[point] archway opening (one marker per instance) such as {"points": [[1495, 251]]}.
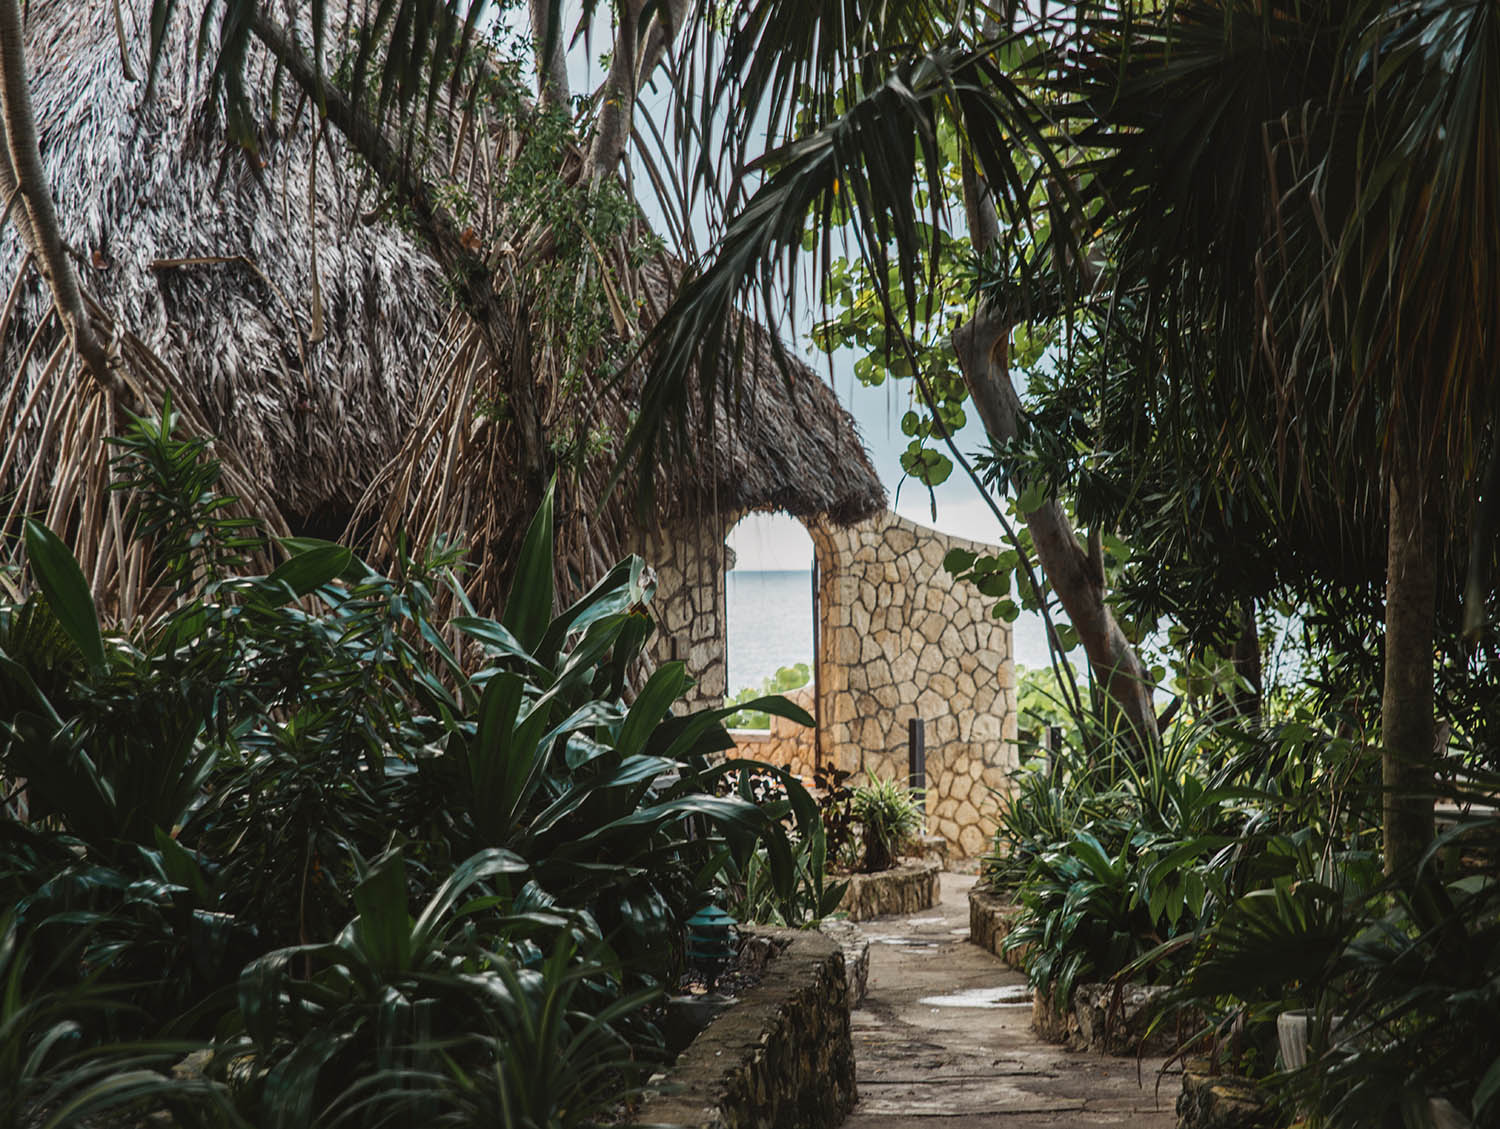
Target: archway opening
{"points": [[772, 632]]}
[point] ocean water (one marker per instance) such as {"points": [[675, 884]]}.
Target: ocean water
{"points": [[770, 625]]}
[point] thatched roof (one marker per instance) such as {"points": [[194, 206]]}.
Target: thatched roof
{"points": [[218, 268]]}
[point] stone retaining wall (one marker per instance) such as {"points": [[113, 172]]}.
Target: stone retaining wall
{"points": [[991, 918], [782, 1058], [907, 888]]}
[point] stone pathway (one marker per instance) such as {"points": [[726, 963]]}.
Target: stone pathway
{"points": [[943, 1041]]}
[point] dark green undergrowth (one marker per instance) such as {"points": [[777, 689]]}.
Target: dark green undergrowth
{"points": [[365, 867]]}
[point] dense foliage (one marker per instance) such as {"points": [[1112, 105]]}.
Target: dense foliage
{"points": [[379, 868], [1242, 868]]}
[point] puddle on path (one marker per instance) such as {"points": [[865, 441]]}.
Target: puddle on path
{"points": [[1007, 995], [925, 920], [904, 942]]}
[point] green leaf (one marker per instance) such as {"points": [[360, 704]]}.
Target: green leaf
{"points": [[1489, 1086], [67, 592], [664, 687], [959, 560], [312, 568], [528, 607], [1031, 498]]}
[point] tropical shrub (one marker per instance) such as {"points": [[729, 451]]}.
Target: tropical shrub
{"points": [[889, 817], [384, 867]]}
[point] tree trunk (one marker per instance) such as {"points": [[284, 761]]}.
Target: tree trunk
{"points": [[982, 352], [983, 345], [24, 183], [1406, 706], [551, 60]]}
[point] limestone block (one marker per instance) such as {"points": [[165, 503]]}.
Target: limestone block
{"points": [[930, 661], [968, 662], [951, 642], [878, 673], [933, 600], [893, 572], [964, 683], [859, 618], [888, 697], [903, 664], [986, 727], [970, 636], [932, 626], [900, 539], [908, 691], [942, 684], [933, 551], [846, 646], [931, 704], [972, 841], [869, 650], [945, 728]]}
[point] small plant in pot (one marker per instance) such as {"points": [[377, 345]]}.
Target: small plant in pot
{"points": [[889, 817]]}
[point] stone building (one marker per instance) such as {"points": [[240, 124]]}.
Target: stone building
{"points": [[897, 641]]}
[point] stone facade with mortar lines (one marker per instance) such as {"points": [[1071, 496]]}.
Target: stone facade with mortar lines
{"points": [[901, 640], [690, 560], [898, 639]]}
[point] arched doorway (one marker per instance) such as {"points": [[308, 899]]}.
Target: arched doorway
{"points": [[772, 633]]}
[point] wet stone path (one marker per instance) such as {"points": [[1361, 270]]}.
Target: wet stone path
{"points": [[943, 1040]]}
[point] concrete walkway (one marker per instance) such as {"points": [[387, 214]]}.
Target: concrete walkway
{"points": [[944, 1041]]}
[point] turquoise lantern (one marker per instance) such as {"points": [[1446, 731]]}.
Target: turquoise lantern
{"points": [[710, 942]]}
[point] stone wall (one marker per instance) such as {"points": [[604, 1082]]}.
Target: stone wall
{"points": [[786, 743], [901, 640], [907, 888], [782, 1058], [898, 640], [690, 562], [991, 918]]}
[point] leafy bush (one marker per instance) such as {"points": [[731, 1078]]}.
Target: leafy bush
{"points": [[786, 678], [890, 817], [388, 867]]}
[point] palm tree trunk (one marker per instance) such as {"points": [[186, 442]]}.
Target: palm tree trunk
{"points": [[23, 181], [1406, 707]]}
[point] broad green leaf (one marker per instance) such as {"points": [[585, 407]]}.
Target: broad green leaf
{"points": [[312, 568], [67, 592], [528, 607], [959, 560]]}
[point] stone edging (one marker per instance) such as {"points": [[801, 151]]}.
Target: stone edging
{"points": [[906, 888], [991, 918], [782, 1058], [1221, 1101]]}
